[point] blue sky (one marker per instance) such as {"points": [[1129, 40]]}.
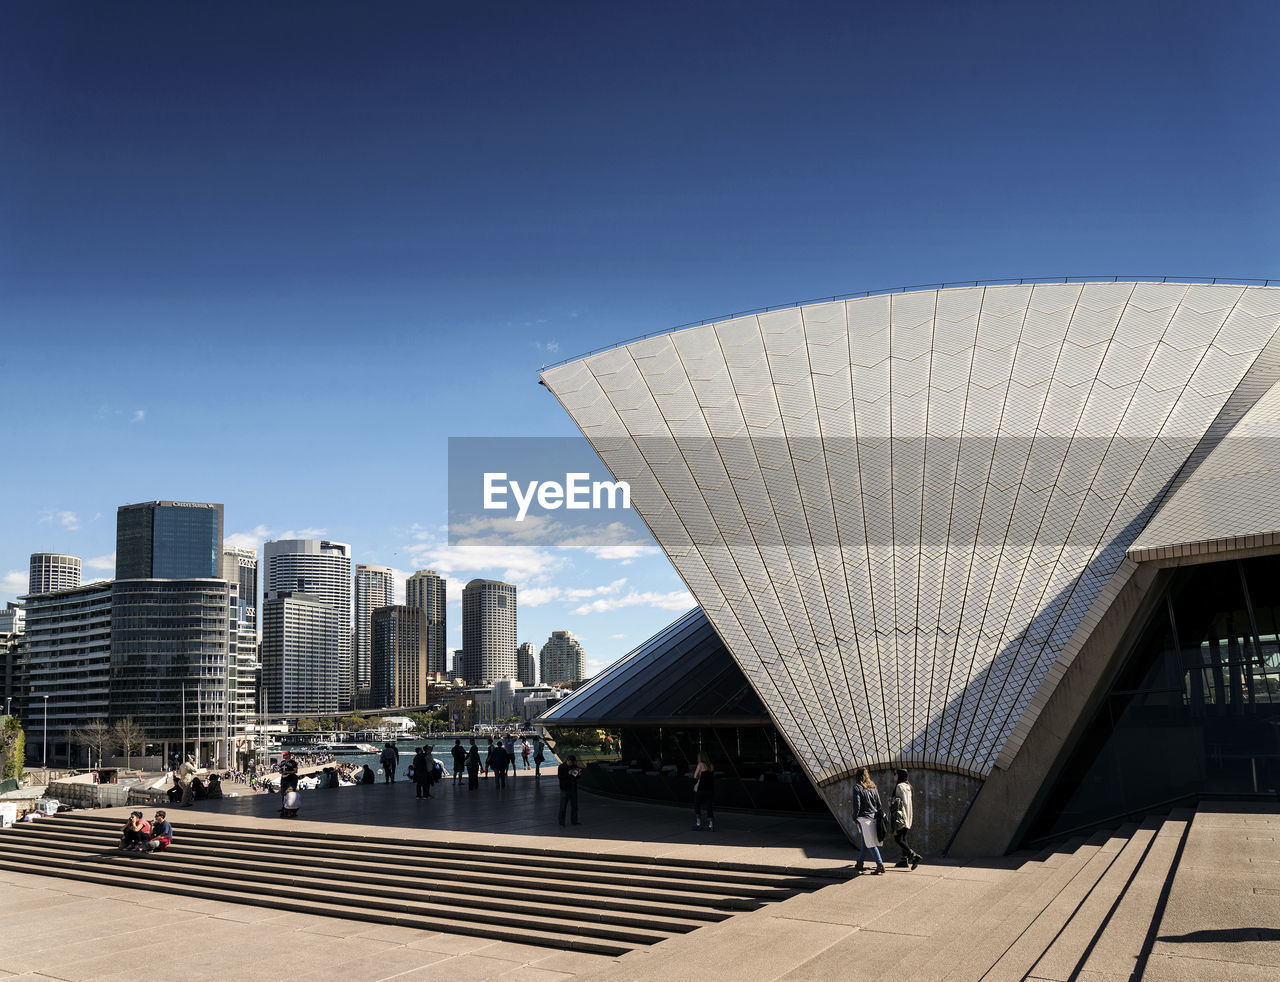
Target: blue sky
{"points": [[276, 255]]}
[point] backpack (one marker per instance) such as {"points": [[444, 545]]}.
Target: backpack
{"points": [[437, 772]]}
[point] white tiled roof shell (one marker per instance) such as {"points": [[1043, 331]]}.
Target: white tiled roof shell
{"points": [[898, 510], [1232, 501]]}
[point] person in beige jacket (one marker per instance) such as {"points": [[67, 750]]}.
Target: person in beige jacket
{"points": [[901, 815]]}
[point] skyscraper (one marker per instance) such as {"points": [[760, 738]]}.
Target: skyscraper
{"points": [[306, 644], [425, 590], [489, 631], [174, 623], [527, 664], [375, 587], [168, 540], [563, 659], [240, 566], [399, 649], [319, 571], [52, 571]]}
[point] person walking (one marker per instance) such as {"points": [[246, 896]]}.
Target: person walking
{"points": [[704, 791], [866, 803], [473, 766], [459, 760], [900, 816], [568, 773], [389, 758], [421, 773], [538, 756]]}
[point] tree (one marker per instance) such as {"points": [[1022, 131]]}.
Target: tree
{"points": [[128, 738], [307, 726], [12, 748], [95, 735]]}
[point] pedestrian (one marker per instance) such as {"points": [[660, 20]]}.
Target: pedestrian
{"points": [[704, 790], [498, 761], [389, 757], [488, 758], [509, 745], [900, 816], [288, 785], [459, 760], [866, 803], [524, 752], [473, 765], [421, 768], [538, 757], [366, 775], [568, 773]]}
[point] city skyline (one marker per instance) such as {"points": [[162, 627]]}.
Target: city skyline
{"points": [[339, 230]]}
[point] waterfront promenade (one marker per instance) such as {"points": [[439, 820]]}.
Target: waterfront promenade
{"points": [[1190, 897]]}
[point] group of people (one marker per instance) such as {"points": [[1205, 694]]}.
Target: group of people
{"points": [[502, 755], [874, 824], [139, 835], [188, 788]]}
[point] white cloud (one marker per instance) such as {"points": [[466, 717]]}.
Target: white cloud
{"points": [[537, 596], [15, 582], [262, 533], [673, 600], [525, 566], [624, 553], [102, 562], [138, 416], [69, 520], [616, 637]]}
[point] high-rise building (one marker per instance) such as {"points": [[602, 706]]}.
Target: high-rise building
{"points": [[13, 657], [168, 540], [68, 668], [305, 645], [172, 662], [527, 664], [375, 587], [320, 571], [425, 590], [489, 631], [174, 624], [240, 566], [563, 659], [52, 571], [399, 649]]}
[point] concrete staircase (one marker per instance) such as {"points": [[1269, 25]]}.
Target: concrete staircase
{"points": [[569, 900], [1085, 910]]}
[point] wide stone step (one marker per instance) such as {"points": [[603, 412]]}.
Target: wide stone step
{"points": [[1051, 921], [997, 930], [665, 886], [151, 872], [589, 906], [1065, 956], [738, 875], [308, 904]]}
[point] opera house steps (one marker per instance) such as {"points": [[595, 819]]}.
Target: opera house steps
{"points": [[606, 905]]}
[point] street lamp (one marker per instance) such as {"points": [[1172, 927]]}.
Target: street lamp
{"points": [[44, 743]]}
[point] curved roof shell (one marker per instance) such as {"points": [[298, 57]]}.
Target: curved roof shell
{"points": [[904, 513]]}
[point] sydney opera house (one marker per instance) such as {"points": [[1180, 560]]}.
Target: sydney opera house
{"points": [[1022, 539]]}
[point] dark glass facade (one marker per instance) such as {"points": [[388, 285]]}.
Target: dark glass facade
{"points": [[1195, 709], [171, 650], [641, 723], [168, 540]]}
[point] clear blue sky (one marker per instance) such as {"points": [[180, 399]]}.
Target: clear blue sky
{"points": [[274, 255]]}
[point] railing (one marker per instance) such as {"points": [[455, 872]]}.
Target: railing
{"points": [[1010, 281]]}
